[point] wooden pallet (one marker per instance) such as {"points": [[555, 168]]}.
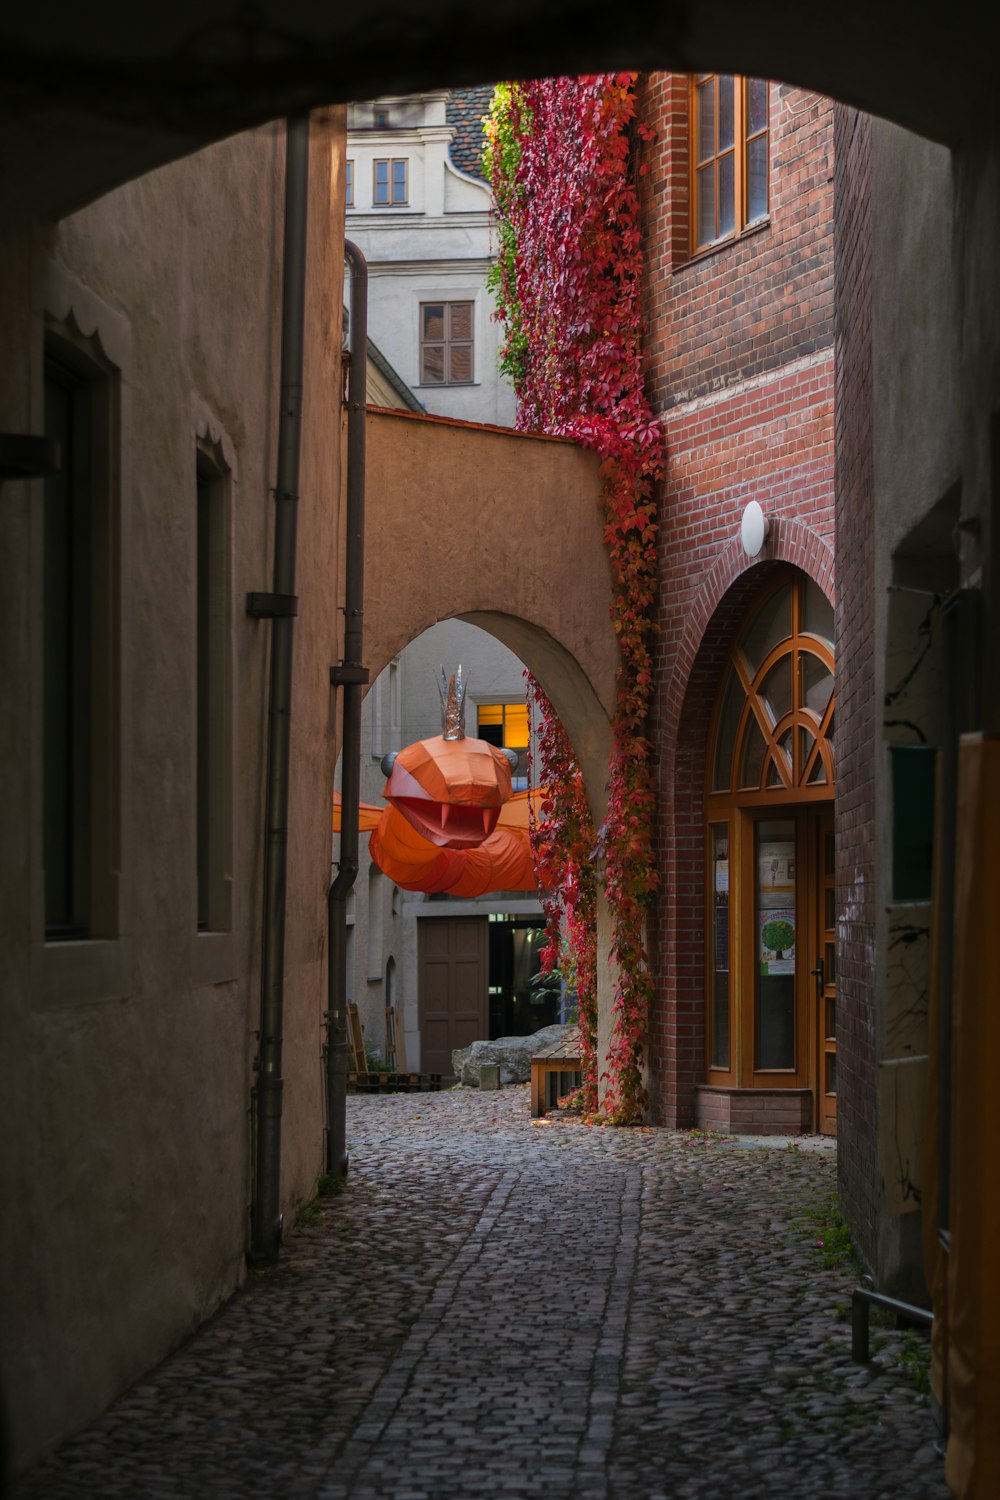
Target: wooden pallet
{"points": [[394, 1083], [395, 1045]]}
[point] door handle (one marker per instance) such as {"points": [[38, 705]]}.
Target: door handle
{"points": [[820, 975]]}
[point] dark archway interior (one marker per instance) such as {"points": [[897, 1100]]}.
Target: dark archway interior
{"points": [[97, 96]]}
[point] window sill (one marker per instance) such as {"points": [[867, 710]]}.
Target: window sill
{"points": [[81, 971], [212, 959], [448, 385], [708, 251]]}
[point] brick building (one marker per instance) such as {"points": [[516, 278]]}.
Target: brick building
{"points": [[738, 204]]}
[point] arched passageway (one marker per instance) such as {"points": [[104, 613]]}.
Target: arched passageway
{"points": [[504, 531]]}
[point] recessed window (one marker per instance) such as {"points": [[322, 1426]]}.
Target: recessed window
{"points": [[381, 119], [213, 799], [730, 156], [446, 343], [80, 591], [390, 181], [349, 183]]}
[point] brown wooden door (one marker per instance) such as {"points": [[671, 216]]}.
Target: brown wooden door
{"points": [[453, 961], [824, 976]]}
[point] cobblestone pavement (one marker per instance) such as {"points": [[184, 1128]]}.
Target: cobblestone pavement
{"points": [[501, 1308]]}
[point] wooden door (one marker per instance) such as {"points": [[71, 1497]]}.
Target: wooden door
{"points": [[453, 979], [824, 976]]}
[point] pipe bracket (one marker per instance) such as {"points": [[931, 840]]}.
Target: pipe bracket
{"points": [[349, 674], [272, 606]]}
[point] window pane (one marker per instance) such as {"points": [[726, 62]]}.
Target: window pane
{"points": [[727, 194], [461, 364], [706, 205], [720, 945], [753, 755], [817, 683], [399, 182], [432, 365], [774, 1032], [381, 182], [66, 659], [817, 613], [771, 624], [204, 687], [757, 179], [349, 184], [726, 736], [433, 321], [705, 108], [516, 726], [776, 690], [726, 112], [756, 105], [461, 320]]}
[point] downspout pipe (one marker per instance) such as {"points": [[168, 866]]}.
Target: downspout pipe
{"points": [[280, 607], [351, 677]]}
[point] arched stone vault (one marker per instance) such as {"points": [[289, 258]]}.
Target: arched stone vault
{"points": [[119, 96], [506, 531]]}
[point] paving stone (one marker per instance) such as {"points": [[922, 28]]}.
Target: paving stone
{"points": [[493, 1307]]}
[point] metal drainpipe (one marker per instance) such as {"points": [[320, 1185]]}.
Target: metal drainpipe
{"points": [[280, 607], [351, 676]]}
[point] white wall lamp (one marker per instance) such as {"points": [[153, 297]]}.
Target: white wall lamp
{"points": [[754, 529]]}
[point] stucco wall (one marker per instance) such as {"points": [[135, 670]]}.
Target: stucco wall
{"points": [[126, 1129], [504, 530]]}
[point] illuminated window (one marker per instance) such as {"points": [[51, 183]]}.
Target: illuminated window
{"points": [[506, 725], [729, 156]]}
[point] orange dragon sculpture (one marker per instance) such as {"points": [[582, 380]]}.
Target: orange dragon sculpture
{"points": [[443, 829]]}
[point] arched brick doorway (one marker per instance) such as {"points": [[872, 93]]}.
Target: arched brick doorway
{"points": [[722, 609]]}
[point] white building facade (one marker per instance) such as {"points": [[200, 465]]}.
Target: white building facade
{"points": [[423, 224]]}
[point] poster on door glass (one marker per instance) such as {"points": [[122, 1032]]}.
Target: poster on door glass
{"points": [[776, 869], [776, 935]]}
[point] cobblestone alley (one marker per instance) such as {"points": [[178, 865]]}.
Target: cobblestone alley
{"points": [[500, 1308]]}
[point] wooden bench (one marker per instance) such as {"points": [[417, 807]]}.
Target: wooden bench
{"points": [[554, 1071]]}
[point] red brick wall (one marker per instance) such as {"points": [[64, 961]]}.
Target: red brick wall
{"points": [[752, 305], [855, 682], [740, 366]]}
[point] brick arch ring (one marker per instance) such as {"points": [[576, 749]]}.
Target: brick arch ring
{"points": [[789, 541]]}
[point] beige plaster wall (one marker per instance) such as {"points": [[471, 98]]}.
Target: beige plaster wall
{"points": [[125, 1126]]}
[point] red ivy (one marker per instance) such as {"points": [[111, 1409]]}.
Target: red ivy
{"points": [[562, 842], [570, 294]]}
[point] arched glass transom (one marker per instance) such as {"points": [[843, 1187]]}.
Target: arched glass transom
{"points": [[774, 719]]}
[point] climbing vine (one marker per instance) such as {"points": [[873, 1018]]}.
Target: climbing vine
{"points": [[562, 841], [560, 156]]}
